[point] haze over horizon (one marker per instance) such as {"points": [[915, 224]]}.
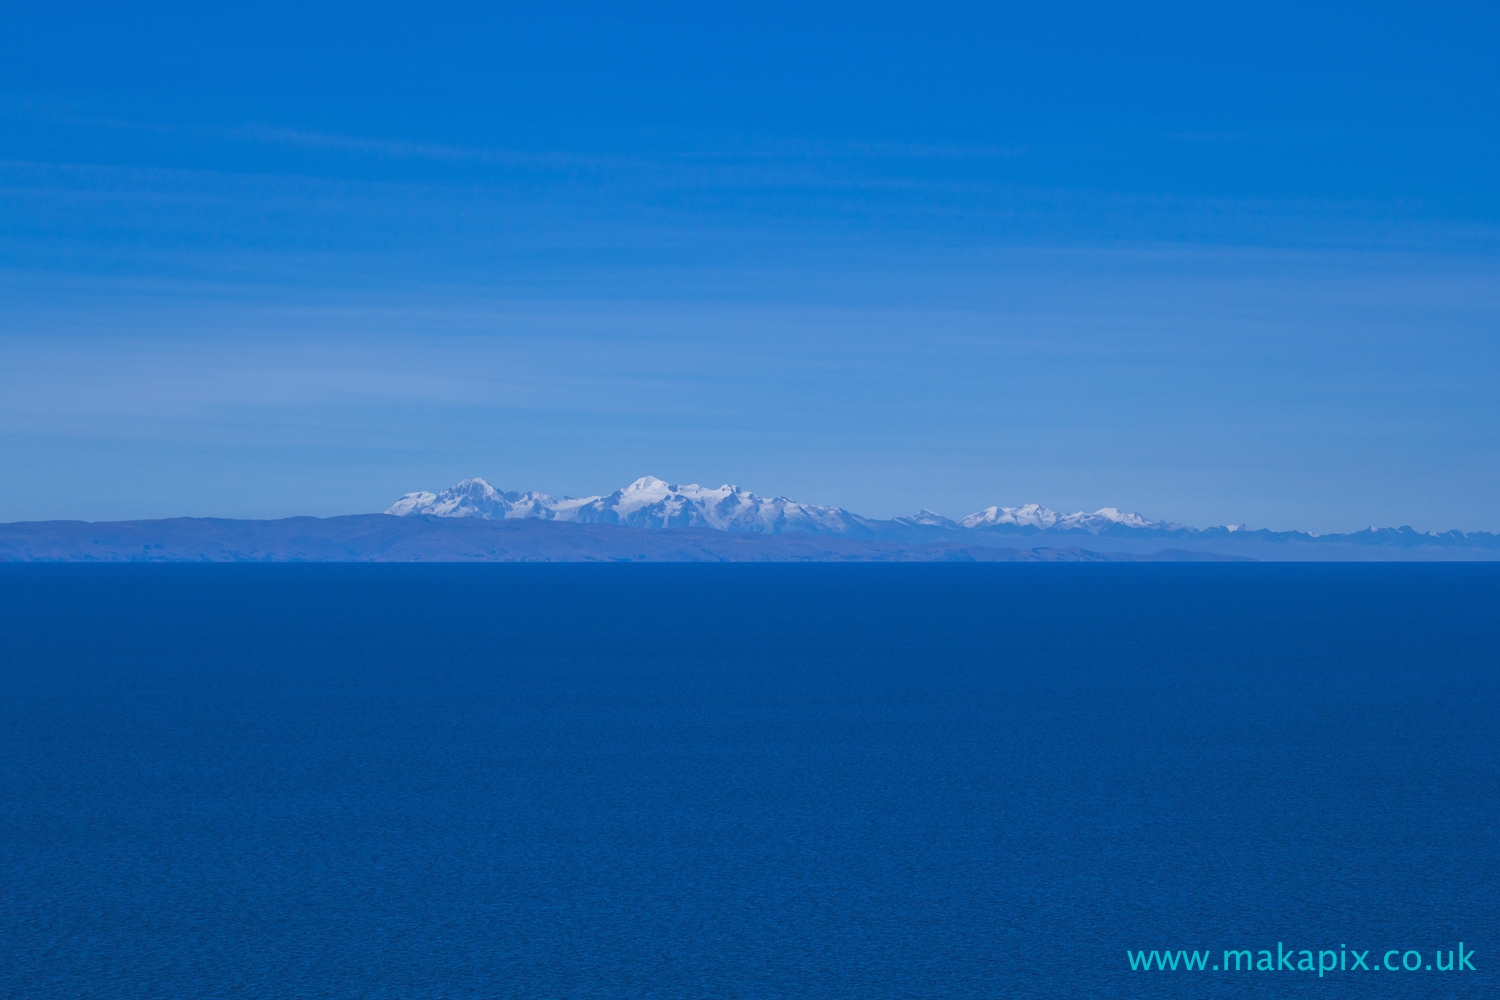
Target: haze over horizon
{"points": [[1214, 267]]}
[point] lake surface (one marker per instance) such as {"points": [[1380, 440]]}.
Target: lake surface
{"points": [[744, 781]]}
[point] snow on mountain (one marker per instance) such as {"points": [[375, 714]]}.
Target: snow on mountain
{"points": [[1034, 515], [654, 503], [647, 503], [927, 518], [473, 498]]}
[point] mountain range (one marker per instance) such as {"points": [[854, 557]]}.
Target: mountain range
{"points": [[646, 503], [656, 504], [655, 521]]}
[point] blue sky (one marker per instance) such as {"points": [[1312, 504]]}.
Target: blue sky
{"points": [[1226, 266]]}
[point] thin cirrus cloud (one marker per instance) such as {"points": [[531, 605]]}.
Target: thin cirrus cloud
{"points": [[1168, 369], [1268, 300]]}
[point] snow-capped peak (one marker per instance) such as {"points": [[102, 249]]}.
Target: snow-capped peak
{"points": [[471, 498], [928, 518], [1119, 517]]}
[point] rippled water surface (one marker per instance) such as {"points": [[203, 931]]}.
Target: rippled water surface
{"points": [[743, 781]]}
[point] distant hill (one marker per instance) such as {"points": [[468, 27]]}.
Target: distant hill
{"points": [[431, 538]]}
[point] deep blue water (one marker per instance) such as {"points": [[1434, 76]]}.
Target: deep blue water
{"points": [[743, 781]]}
